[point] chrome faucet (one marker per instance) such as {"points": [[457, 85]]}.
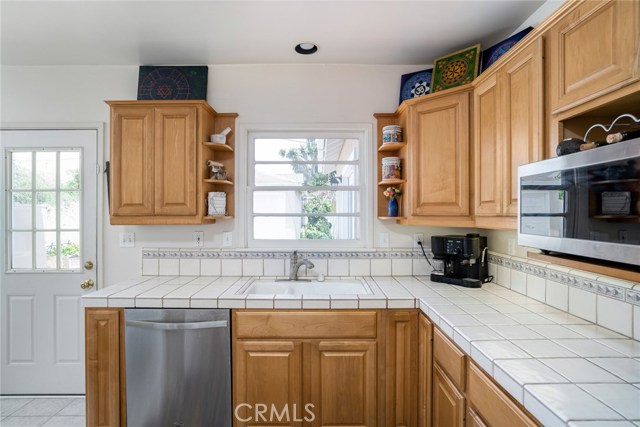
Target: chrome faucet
{"points": [[295, 265]]}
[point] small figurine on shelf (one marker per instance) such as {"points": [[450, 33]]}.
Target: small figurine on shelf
{"points": [[217, 170], [392, 193]]}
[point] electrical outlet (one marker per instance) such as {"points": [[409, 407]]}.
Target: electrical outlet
{"points": [[227, 239], [198, 239], [127, 240], [383, 240], [511, 246], [418, 237], [623, 236]]}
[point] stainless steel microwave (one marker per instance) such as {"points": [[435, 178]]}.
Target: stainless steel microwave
{"points": [[586, 203]]}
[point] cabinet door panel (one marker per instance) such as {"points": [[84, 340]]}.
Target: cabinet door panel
{"points": [[492, 403], [401, 371], [473, 419], [448, 402], [175, 161], [103, 364], [487, 144], [132, 151], [343, 383], [594, 50], [440, 160], [523, 119], [425, 370], [267, 373]]}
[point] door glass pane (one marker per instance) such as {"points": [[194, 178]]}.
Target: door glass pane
{"points": [[21, 170], [69, 170], [55, 203], [46, 170], [69, 210], [46, 250], [21, 210], [70, 250], [46, 210], [21, 250]]}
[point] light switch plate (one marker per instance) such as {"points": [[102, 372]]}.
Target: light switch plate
{"points": [[127, 240], [198, 239], [227, 239]]}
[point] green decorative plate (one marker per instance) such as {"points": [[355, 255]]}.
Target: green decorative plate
{"points": [[455, 69]]}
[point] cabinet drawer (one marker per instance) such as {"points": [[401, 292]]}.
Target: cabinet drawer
{"points": [[492, 403], [450, 358], [305, 324]]}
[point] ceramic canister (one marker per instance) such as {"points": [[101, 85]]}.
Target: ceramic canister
{"points": [[392, 133], [391, 168]]}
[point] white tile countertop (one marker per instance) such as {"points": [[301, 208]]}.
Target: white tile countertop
{"points": [[565, 370]]}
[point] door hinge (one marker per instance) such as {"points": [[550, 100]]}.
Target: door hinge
{"points": [[97, 168]]}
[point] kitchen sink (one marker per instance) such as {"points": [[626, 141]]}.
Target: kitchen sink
{"points": [[306, 287]]}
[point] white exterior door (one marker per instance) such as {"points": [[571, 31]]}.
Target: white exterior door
{"points": [[49, 247]]}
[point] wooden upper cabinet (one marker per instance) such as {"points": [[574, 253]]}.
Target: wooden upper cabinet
{"points": [[508, 129], [159, 151], [342, 383], [488, 147], [593, 50], [175, 161], [132, 153], [439, 134], [523, 118]]}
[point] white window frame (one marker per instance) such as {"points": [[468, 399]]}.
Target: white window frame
{"points": [[361, 132]]}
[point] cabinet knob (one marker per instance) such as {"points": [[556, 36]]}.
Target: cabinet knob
{"points": [[87, 284]]}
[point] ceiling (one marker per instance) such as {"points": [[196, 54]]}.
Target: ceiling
{"points": [[249, 32]]}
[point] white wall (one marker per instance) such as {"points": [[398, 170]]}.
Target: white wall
{"points": [[283, 94]]}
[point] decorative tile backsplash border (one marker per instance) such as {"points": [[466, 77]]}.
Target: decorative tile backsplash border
{"points": [[229, 254], [215, 262], [606, 301], [621, 290]]}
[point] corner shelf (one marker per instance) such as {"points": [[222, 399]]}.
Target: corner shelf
{"points": [[391, 146], [218, 147], [218, 181], [209, 219], [391, 218], [391, 182]]}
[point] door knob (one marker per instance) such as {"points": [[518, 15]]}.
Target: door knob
{"points": [[87, 284], [88, 265]]}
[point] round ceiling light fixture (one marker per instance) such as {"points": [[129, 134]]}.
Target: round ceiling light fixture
{"points": [[306, 48]]}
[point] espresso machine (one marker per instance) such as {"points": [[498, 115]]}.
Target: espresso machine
{"points": [[464, 258]]}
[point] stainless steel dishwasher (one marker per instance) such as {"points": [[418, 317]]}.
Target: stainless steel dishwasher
{"points": [[178, 367]]}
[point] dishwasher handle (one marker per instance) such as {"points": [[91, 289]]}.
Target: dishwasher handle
{"points": [[147, 324]]}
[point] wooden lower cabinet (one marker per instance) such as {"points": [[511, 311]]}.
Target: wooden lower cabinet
{"points": [[495, 407], [473, 419], [401, 368], [357, 368], [267, 373], [104, 361], [342, 383], [425, 370], [448, 401]]}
